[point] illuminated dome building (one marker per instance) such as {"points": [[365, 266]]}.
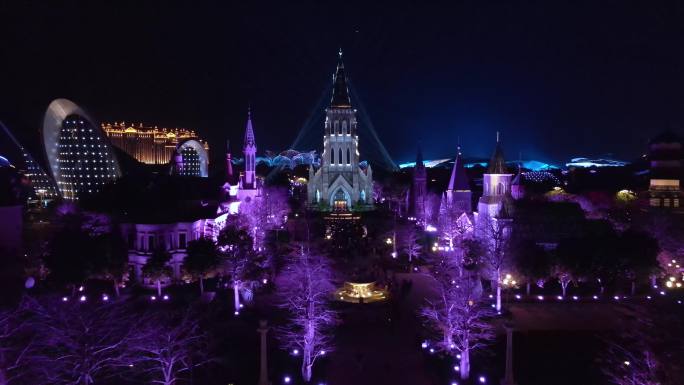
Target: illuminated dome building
{"points": [[190, 159], [43, 186], [79, 155]]}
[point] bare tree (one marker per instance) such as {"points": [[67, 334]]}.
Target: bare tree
{"points": [[235, 244], [165, 349], [79, 343], [411, 244], [15, 346], [457, 315], [495, 234], [631, 367], [306, 292]]}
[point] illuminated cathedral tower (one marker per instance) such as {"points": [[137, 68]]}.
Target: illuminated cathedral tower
{"points": [[340, 184], [249, 186], [496, 184]]}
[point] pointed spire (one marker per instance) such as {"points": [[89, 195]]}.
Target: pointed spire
{"points": [[459, 178], [340, 96], [249, 131], [497, 164], [419, 158]]}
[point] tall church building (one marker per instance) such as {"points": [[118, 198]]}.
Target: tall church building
{"points": [[340, 184], [249, 186], [496, 185]]}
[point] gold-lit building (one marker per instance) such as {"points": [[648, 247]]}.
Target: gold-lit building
{"points": [[147, 144]]}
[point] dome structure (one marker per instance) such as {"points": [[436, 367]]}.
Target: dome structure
{"points": [[80, 157], [190, 159]]}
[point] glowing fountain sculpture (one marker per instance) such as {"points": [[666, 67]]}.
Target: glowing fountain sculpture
{"points": [[360, 292]]}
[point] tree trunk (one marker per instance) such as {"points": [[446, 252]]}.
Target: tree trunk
{"points": [[159, 287], [465, 364], [236, 296], [498, 290], [633, 287], [201, 283], [306, 365], [653, 280], [116, 287], [528, 288]]}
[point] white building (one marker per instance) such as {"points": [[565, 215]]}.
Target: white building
{"points": [[340, 184]]}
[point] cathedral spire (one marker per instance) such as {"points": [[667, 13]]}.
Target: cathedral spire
{"points": [[497, 164], [250, 155], [459, 179], [340, 96], [249, 131]]}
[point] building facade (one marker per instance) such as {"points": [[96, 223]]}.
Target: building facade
{"points": [[79, 154], [496, 185], [666, 157], [340, 184], [149, 144]]}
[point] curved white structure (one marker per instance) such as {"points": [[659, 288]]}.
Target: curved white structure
{"points": [[80, 158], [190, 159]]}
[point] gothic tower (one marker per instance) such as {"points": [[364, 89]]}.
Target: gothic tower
{"points": [[419, 188], [458, 195], [248, 186], [496, 184], [340, 184]]}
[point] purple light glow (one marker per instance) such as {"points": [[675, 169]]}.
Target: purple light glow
{"points": [[574, 297], [165, 297], [287, 379], [83, 298], [540, 297], [482, 379], [518, 296], [65, 299], [424, 345], [153, 298]]}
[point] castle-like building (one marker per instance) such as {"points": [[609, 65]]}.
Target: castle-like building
{"points": [[340, 184]]}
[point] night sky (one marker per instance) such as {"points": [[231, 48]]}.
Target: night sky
{"points": [[556, 80]]}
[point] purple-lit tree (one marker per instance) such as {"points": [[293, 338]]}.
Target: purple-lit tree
{"points": [[306, 291], [631, 367], [202, 260], [564, 276], [239, 261], [110, 258], [15, 347], [166, 349], [495, 236], [457, 315], [77, 342], [411, 243], [157, 267]]}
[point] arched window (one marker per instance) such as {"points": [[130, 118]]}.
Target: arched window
{"points": [[500, 188], [332, 156], [344, 127], [363, 196], [340, 156], [337, 127], [348, 156]]}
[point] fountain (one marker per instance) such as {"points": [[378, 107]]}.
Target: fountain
{"points": [[361, 292]]}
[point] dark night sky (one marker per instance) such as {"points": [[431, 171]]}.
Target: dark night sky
{"points": [[556, 80]]}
